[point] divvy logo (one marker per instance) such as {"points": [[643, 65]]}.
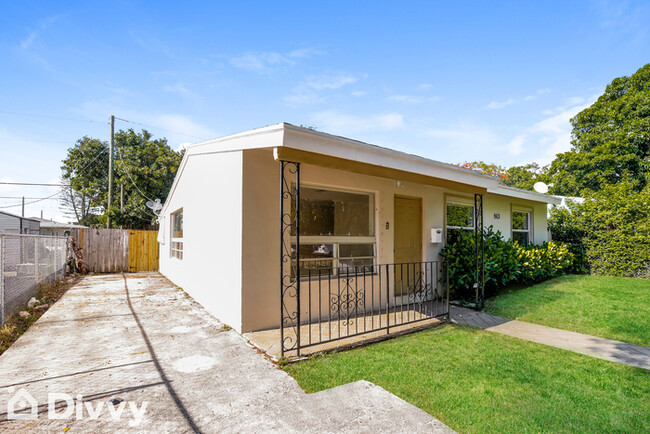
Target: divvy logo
{"points": [[22, 405]]}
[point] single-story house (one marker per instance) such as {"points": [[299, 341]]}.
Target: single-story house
{"points": [[58, 229], [243, 207], [14, 224]]}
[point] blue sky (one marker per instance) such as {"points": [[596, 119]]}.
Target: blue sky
{"points": [[452, 81]]}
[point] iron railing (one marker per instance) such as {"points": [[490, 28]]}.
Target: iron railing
{"points": [[341, 304]]}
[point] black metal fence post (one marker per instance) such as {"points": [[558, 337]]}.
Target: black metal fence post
{"points": [[289, 276], [480, 259]]}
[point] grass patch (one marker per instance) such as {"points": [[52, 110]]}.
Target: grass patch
{"points": [[609, 307], [476, 381], [15, 325]]}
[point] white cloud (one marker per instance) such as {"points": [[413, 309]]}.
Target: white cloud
{"points": [[550, 136], [341, 123], [310, 90], [465, 138], [359, 93], [516, 145], [180, 89], [501, 104], [27, 42], [265, 61], [425, 86], [327, 81], [412, 99]]}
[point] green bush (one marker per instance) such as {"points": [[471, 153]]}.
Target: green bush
{"points": [[564, 228], [505, 261], [614, 227]]}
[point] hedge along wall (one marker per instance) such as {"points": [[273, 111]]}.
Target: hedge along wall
{"points": [[505, 261], [614, 227]]}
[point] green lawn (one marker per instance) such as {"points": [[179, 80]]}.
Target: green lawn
{"points": [[476, 381], [610, 307]]}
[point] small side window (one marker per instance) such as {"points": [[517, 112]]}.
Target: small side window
{"points": [[177, 234], [521, 224]]}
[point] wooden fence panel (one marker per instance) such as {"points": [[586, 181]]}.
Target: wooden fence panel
{"points": [[118, 250], [106, 250], [143, 251]]}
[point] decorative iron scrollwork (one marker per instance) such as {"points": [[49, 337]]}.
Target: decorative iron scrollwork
{"points": [[420, 291], [289, 256], [347, 304]]}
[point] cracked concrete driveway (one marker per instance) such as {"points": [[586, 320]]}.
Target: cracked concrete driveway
{"points": [[135, 353]]}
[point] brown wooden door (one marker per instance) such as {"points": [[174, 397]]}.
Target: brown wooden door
{"points": [[408, 240]]}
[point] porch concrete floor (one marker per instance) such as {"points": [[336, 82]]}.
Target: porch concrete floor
{"points": [[269, 341]]}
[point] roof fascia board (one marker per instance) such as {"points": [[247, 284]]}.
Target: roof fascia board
{"points": [[357, 151], [523, 194], [267, 137]]}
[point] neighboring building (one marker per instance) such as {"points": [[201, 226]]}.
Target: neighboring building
{"points": [[50, 227], [361, 205], [13, 224]]}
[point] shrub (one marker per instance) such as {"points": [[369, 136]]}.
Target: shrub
{"points": [[505, 261], [613, 225]]}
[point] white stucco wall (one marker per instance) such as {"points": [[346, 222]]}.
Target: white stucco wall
{"points": [[209, 189]]}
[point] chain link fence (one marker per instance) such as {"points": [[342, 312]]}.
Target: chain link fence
{"points": [[25, 262]]}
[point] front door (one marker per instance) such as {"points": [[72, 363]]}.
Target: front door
{"points": [[408, 241]]}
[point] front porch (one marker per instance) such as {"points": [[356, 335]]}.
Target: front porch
{"points": [[334, 335]]}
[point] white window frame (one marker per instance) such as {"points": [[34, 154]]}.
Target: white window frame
{"points": [[460, 202], [337, 240], [176, 243], [528, 231]]}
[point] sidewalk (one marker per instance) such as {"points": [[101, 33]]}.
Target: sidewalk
{"points": [[608, 349], [138, 340]]}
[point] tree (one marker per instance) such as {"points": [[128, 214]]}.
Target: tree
{"points": [[525, 176], [85, 176], [610, 139], [487, 168], [144, 169]]}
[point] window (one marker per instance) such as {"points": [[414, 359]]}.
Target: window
{"points": [[177, 234], [460, 217], [337, 229], [521, 224]]}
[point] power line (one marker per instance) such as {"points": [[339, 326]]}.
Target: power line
{"points": [[11, 139], [159, 128], [34, 183], [50, 117], [22, 197], [129, 175], [30, 203]]}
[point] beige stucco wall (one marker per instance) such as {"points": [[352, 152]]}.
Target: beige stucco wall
{"points": [[209, 190], [261, 239]]}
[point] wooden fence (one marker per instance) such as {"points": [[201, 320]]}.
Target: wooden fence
{"points": [[143, 251], [118, 250]]}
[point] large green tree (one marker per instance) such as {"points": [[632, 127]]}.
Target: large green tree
{"points": [[525, 176], [144, 169], [610, 140]]}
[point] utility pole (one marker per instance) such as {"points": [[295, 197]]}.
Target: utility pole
{"points": [[110, 174], [23, 212], [121, 198]]}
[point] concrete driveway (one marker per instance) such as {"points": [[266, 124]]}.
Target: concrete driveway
{"points": [[135, 353]]}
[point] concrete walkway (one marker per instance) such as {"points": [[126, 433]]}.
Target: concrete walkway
{"points": [[141, 344], [608, 349]]}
